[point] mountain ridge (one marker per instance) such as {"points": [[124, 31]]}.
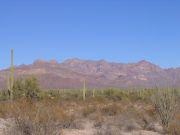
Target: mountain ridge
{"points": [[100, 74]]}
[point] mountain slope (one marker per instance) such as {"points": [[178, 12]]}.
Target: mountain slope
{"points": [[72, 72]]}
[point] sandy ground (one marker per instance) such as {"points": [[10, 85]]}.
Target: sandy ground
{"points": [[88, 129]]}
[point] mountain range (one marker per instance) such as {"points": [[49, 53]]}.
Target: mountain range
{"points": [[98, 74]]}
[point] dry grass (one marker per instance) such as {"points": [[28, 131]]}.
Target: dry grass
{"points": [[110, 111], [175, 124], [36, 118]]}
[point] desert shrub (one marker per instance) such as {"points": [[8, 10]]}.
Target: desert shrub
{"points": [[110, 110], [31, 87], [65, 94], [18, 88], [89, 109], [99, 99], [71, 95], [165, 103], [109, 92], [174, 125], [44, 117], [113, 94], [4, 95], [99, 120], [27, 87]]}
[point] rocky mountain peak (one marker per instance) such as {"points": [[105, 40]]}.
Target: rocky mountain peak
{"points": [[39, 62], [72, 61], [53, 62], [148, 66]]}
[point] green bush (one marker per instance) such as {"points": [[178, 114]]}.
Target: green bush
{"points": [[4, 95], [18, 88], [28, 87]]}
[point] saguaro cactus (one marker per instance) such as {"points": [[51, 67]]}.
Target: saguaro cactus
{"points": [[94, 93], [7, 81], [84, 90], [11, 75]]}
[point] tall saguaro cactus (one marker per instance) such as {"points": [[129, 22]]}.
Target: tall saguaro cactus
{"points": [[12, 74], [84, 90], [7, 81]]}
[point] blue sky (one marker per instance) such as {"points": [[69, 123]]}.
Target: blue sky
{"points": [[114, 30]]}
